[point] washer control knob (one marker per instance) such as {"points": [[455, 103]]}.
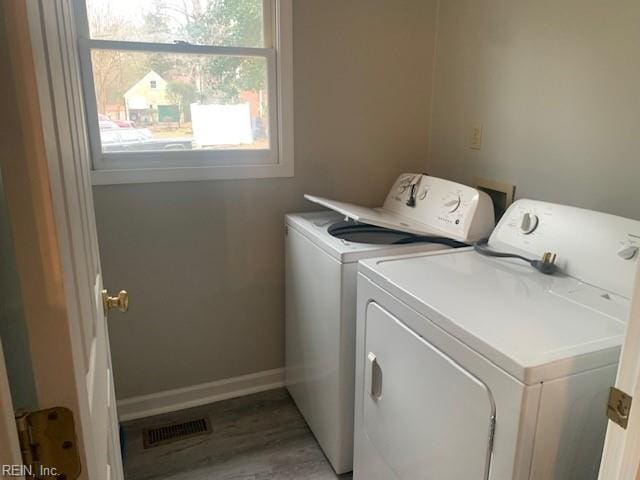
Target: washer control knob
{"points": [[529, 223], [628, 252], [453, 204], [423, 194]]}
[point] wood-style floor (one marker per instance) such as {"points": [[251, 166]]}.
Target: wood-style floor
{"points": [[257, 437]]}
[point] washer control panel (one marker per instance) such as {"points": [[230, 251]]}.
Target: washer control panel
{"points": [[598, 248], [449, 207]]}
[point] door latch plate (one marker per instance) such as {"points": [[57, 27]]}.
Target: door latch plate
{"points": [[619, 407]]}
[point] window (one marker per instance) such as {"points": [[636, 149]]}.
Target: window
{"points": [[187, 89]]}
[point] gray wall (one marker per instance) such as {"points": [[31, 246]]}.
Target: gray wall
{"points": [[203, 261], [555, 83]]}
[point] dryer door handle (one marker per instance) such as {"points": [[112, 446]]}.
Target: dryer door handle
{"points": [[374, 377]]}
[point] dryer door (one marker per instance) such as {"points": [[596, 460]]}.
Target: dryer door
{"points": [[425, 415]]}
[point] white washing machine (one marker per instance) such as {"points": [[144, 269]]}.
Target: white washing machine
{"points": [[470, 367], [322, 251]]}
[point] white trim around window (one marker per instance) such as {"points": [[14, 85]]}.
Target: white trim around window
{"points": [[171, 166]]}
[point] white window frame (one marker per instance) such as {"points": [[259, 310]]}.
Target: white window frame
{"points": [[170, 166]]}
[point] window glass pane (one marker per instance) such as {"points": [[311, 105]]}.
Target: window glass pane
{"points": [[160, 101], [233, 23]]}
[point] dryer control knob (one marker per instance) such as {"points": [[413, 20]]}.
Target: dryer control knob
{"points": [[627, 253], [529, 223]]}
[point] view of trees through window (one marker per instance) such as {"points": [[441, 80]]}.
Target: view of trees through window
{"points": [[154, 100]]}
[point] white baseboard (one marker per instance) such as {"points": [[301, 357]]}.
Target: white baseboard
{"points": [[181, 398]]}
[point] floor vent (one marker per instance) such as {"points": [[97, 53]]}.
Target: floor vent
{"points": [[175, 432]]}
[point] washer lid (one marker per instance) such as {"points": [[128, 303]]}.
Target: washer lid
{"points": [[536, 327], [377, 216], [425, 205]]}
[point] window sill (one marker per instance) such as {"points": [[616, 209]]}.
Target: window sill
{"points": [[189, 174]]}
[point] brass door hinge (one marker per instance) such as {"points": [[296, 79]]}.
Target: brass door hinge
{"points": [[48, 444], [619, 407]]}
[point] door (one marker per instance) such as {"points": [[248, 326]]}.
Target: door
{"points": [[425, 415], [45, 167], [621, 457]]}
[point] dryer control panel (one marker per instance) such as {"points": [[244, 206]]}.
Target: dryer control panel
{"points": [[597, 248]]}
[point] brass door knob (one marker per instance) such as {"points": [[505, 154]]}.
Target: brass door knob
{"points": [[121, 302]]}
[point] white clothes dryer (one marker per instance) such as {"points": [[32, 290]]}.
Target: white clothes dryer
{"points": [[472, 367]]}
